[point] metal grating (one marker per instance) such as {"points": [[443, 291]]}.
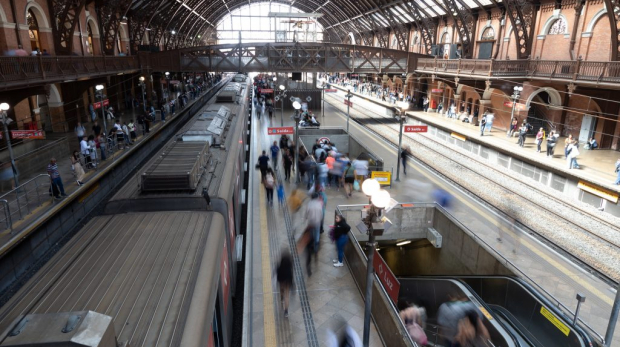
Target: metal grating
{"points": [[179, 167]]}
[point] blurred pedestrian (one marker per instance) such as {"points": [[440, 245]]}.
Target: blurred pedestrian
{"points": [[274, 154], [341, 231], [617, 171], [77, 168], [280, 191], [287, 161], [314, 216], [450, 313], [349, 178], [56, 187], [263, 164], [552, 140], [471, 332], [295, 201], [269, 183], [572, 152], [346, 338], [285, 279], [403, 158], [540, 136], [413, 319]]}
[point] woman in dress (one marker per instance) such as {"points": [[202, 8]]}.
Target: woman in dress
{"points": [[78, 170]]}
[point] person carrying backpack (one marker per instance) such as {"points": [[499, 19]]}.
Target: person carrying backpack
{"points": [[269, 183]]}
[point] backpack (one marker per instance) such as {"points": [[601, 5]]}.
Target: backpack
{"points": [[269, 181]]}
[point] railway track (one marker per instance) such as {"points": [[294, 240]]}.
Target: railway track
{"points": [[587, 223]]}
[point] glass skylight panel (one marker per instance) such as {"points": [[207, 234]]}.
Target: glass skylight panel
{"points": [[470, 3]]}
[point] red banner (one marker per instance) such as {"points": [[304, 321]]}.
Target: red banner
{"points": [[28, 134], [331, 90], [387, 278], [97, 105], [436, 90], [266, 91], [416, 128], [518, 106], [280, 131], [348, 103]]}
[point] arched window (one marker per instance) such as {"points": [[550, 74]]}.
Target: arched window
{"points": [[488, 34], [558, 27], [89, 40], [33, 31]]}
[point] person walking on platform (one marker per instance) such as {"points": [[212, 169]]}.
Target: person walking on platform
{"points": [[275, 150], [314, 216], [512, 128], [287, 161], [552, 140], [522, 132], [80, 131], [78, 170], [571, 155], [269, 182], [483, 124], [567, 142], [341, 231], [263, 165], [284, 275], [295, 201], [540, 136], [617, 171], [56, 187], [403, 158], [348, 177]]}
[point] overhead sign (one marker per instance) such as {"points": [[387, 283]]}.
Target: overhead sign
{"points": [[348, 103], [331, 90], [266, 91], [97, 105], [28, 134], [518, 106], [416, 128], [280, 131], [436, 90], [387, 278], [383, 177]]}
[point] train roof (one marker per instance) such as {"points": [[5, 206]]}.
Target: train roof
{"points": [[141, 269]]}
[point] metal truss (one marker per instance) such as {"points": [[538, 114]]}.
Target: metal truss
{"points": [[465, 24], [64, 14], [427, 27], [140, 20], [110, 13], [522, 15], [293, 57]]}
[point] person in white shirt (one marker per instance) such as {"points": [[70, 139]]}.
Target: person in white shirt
{"points": [[85, 150], [361, 170]]}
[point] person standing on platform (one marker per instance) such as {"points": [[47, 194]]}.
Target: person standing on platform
{"points": [[617, 171], [263, 165], [483, 124], [348, 176], [341, 231], [78, 170], [103, 144], [361, 170], [425, 103], [96, 129], [567, 143], [403, 158], [329, 161], [80, 131], [512, 128], [284, 143], [552, 140], [56, 188], [571, 155], [284, 275], [540, 136], [522, 133], [274, 154], [490, 117]]}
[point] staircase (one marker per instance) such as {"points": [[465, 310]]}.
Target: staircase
{"points": [[537, 117]]}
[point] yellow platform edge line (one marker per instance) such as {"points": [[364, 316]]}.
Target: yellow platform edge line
{"points": [[269, 317]]}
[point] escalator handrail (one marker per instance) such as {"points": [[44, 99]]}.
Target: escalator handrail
{"points": [[548, 303], [515, 323], [474, 298]]}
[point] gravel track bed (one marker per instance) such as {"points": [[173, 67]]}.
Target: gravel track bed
{"points": [[590, 235]]}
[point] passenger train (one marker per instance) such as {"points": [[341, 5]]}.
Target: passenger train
{"points": [[160, 262]]}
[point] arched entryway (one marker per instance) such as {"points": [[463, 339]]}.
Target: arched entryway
{"points": [[33, 31]]}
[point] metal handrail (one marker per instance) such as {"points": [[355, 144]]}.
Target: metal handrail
{"points": [[21, 192], [518, 272]]}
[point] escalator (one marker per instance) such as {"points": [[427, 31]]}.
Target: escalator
{"points": [[517, 312]]}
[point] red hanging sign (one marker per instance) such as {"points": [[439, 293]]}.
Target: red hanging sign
{"points": [[331, 90], [280, 131], [387, 278], [416, 128], [518, 106], [28, 134], [97, 105], [348, 103], [266, 91], [436, 90]]}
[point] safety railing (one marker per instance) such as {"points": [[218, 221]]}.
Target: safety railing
{"points": [[24, 70], [567, 312], [22, 200], [576, 70]]}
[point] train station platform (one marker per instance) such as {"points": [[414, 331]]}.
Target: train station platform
{"points": [[596, 166], [318, 301]]}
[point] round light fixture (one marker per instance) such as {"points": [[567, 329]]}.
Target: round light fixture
{"points": [[404, 105], [4, 106], [381, 199], [282, 87], [99, 87], [275, 78], [141, 78], [370, 187], [296, 105]]}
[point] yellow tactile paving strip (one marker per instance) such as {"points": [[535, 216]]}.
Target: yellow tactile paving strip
{"points": [[269, 318]]}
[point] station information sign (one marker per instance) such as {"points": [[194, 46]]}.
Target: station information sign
{"points": [[348, 103], [97, 105], [387, 278], [331, 90], [280, 131], [28, 134], [416, 128]]}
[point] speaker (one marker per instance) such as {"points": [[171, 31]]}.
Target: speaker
{"points": [[296, 76]]}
